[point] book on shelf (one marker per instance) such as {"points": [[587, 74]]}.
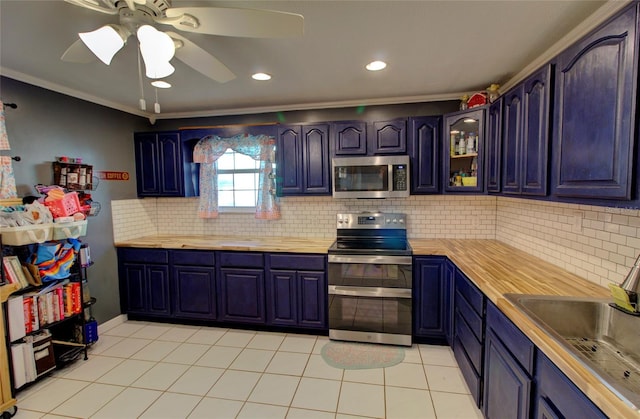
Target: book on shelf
{"points": [[14, 269], [10, 274]]}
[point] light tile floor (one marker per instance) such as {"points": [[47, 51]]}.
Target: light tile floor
{"points": [[151, 370]]}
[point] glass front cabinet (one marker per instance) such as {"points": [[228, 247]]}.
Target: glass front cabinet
{"points": [[464, 150]]}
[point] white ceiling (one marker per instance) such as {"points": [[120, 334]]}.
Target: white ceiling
{"points": [[436, 50]]}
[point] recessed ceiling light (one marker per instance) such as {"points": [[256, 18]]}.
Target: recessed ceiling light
{"points": [[161, 84], [261, 76], [376, 65]]}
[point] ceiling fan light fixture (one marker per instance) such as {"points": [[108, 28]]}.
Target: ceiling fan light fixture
{"points": [[157, 49], [104, 42], [261, 76], [376, 65], [161, 84]]}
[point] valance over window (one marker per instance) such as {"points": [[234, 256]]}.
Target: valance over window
{"points": [[258, 147]]}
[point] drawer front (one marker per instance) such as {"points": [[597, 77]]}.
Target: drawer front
{"points": [[470, 375], [241, 259], [474, 321], [193, 257], [130, 254], [472, 294], [520, 347], [472, 346], [297, 262]]}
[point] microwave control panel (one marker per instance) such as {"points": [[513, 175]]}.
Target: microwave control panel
{"points": [[399, 177]]}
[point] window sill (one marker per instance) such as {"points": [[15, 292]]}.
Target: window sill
{"points": [[234, 210]]}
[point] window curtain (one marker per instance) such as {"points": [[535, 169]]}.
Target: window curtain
{"points": [[7, 179], [258, 147]]}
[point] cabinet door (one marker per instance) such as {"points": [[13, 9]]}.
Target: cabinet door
{"points": [[594, 112], [282, 298], [242, 295], [147, 162], [430, 294], [312, 299], [349, 138], [507, 388], [494, 146], [559, 394], [134, 284], [388, 137], [316, 162], [461, 162], [535, 132], [447, 309], [511, 140], [422, 145], [157, 291], [289, 161], [170, 167], [194, 294]]}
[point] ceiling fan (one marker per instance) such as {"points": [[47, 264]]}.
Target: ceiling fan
{"points": [[136, 16]]}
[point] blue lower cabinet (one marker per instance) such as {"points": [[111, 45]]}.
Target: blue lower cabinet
{"points": [[468, 332], [296, 287], [431, 294], [144, 282], [193, 284], [558, 397], [194, 292], [242, 295], [507, 388]]}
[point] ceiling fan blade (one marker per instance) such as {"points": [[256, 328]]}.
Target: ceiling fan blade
{"points": [[250, 23], [92, 5], [201, 61], [78, 53]]}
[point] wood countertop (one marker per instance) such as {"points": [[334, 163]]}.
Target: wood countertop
{"points": [[496, 268], [258, 244]]}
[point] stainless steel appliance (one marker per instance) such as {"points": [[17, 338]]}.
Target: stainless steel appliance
{"points": [[370, 279], [370, 177]]}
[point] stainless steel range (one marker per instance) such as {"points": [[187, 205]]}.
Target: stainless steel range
{"points": [[370, 279]]}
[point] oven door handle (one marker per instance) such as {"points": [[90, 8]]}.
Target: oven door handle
{"points": [[376, 260], [376, 292]]}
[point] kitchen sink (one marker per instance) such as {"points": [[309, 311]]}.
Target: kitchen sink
{"points": [[602, 338]]}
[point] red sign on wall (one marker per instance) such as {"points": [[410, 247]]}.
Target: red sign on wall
{"points": [[107, 175]]}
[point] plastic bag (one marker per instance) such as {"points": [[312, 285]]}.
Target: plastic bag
{"points": [[55, 259]]}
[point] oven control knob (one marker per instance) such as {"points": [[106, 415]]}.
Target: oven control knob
{"points": [[395, 221], [388, 221], [401, 221]]}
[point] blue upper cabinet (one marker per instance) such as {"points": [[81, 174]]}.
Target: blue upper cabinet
{"points": [[349, 138], [302, 160], [423, 148], [595, 112], [387, 137], [494, 146], [361, 138], [535, 132], [525, 134], [463, 141], [512, 140], [161, 165], [289, 161]]}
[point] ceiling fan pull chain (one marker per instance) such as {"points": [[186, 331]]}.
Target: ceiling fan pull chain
{"points": [[143, 104], [184, 20]]}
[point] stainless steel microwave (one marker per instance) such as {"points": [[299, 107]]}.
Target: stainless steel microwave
{"points": [[370, 177]]}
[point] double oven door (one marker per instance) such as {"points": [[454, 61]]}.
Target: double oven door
{"points": [[370, 298]]}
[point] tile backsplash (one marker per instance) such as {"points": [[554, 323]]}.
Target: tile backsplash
{"points": [[436, 216], [599, 244]]}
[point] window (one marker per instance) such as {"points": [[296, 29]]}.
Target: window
{"points": [[238, 180]]}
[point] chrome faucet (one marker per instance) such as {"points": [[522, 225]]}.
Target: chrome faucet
{"points": [[631, 284]]}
